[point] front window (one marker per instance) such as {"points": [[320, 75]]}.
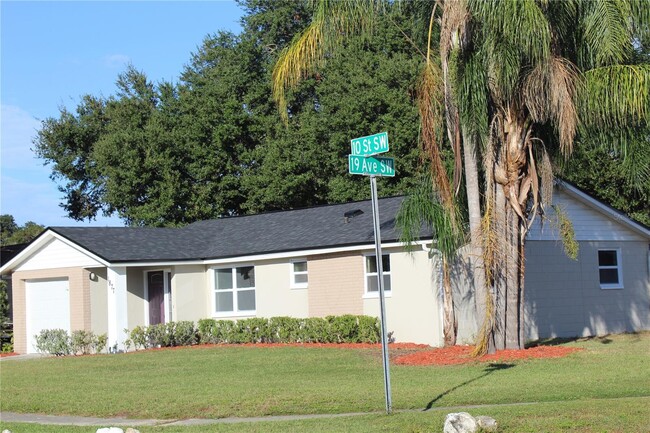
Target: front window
{"points": [[299, 276], [372, 286], [234, 290], [609, 269]]}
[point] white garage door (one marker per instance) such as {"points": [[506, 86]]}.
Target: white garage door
{"points": [[48, 307]]}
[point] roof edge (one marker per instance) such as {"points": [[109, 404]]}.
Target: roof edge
{"points": [[603, 208]]}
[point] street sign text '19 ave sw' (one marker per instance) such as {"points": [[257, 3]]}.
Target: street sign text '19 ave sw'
{"points": [[370, 145], [371, 165]]}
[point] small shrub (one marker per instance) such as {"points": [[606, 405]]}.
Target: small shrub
{"points": [[316, 330], [285, 330], [81, 342], [157, 336], [99, 343], [344, 329], [207, 330], [138, 337], [184, 333], [369, 329], [53, 341]]}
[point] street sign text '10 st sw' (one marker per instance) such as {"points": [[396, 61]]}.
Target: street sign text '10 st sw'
{"points": [[371, 165], [370, 145]]}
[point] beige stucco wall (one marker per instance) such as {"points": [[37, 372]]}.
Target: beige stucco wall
{"points": [[79, 286], [335, 284], [190, 293], [412, 307], [135, 297], [274, 297], [98, 301]]}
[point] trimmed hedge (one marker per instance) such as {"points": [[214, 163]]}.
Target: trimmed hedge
{"points": [[331, 329]]}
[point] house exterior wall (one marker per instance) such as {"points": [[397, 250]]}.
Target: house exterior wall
{"points": [[588, 223], [335, 284], [564, 298], [98, 301], [190, 293], [412, 307], [79, 286], [274, 296], [135, 297], [57, 254]]}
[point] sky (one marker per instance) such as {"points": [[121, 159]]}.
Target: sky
{"points": [[52, 53]]}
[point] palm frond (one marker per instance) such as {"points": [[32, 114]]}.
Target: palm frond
{"points": [[520, 23], [549, 92], [615, 96], [333, 20], [423, 208], [430, 104], [607, 32]]}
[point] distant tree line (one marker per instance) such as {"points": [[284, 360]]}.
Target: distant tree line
{"points": [[213, 144]]}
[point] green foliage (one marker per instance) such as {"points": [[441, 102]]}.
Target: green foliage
{"points": [[58, 342], [13, 234], [53, 342], [171, 334], [86, 342], [599, 171], [165, 154], [4, 304], [332, 329], [565, 227]]}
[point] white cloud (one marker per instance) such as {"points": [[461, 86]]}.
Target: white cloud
{"points": [[116, 61]]}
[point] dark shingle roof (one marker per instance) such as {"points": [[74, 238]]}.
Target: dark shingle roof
{"points": [[294, 230]]}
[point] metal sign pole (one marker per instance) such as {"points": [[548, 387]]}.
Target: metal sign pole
{"points": [[380, 283]]}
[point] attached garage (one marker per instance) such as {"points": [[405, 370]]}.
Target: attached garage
{"points": [[47, 305]]}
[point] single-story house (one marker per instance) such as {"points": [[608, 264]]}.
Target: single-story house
{"points": [[316, 262]]}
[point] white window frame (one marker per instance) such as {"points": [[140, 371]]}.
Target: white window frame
{"points": [[293, 273], [618, 267], [234, 291], [366, 274]]}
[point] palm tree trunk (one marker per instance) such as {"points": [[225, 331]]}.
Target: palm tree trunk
{"points": [[450, 325], [512, 291], [500, 273], [474, 211]]}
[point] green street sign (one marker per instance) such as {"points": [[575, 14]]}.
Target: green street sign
{"points": [[370, 145], [371, 166]]}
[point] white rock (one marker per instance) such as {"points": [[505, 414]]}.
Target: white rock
{"points": [[487, 423], [132, 430], [6, 431], [460, 422], [109, 430]]}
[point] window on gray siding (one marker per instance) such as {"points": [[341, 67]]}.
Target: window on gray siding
{"points": [[234, 289], [609, 269]]}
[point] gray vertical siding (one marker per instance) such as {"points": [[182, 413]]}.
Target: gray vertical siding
{"points": [[564, 298]]}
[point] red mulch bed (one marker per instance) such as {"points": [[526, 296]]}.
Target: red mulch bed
{"points": [[5, 354], [462, 355]]}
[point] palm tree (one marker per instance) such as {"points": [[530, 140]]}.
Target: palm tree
{"points": [[513, 80]]}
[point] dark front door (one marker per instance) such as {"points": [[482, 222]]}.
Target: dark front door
{"points": [[156, 289]]}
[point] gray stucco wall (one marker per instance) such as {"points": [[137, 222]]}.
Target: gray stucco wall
{"points": [[564, 298]]}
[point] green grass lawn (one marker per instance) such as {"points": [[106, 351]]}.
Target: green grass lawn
{"points": [[214, 382]]}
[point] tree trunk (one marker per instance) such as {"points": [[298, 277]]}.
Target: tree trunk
{"points": [[522, 273], [475, 230], [512, 291], [450, 325], [500, 272]]}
